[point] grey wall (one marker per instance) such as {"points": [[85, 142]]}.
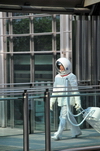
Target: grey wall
{"points": [[86, 48]]}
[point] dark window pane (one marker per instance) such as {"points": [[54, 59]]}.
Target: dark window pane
{"points": [[21, 44], [43, 24], [43, 43], [43, 68], [58, 23], [21, 68], [20, 26], [58, 42]]}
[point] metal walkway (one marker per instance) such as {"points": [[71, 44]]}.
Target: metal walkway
{"points": [[12, 140]]}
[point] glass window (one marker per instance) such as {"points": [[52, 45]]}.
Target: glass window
{"points": [[58, 23], [18, 113], [58, 41], [8, 68], [43, 43], [21, 44], [20, 26], [41, 28], [8, 40], [19, 14], [21, 68], [43, 24], [43, 67], [7, 26]]}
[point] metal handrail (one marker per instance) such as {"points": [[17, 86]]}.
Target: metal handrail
{"points": [[25, 95]]}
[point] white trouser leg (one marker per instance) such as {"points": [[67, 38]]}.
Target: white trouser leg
{"points": [[62, 122], [61, 126], [58, 134], [75, 130]]}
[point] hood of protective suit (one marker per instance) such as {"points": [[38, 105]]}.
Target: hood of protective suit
{"points": [[65, 63]]}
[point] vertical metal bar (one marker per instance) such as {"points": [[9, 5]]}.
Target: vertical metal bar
{"points": [[25, 126], [32, 115], [94, 51], [98, 48], [88, 71], [56, 115], [54, 32], [11, 68], [47, 120], [32, 73]]}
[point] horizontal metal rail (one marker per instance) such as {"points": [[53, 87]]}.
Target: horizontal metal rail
{"points": [[45, 95], [52, 96], [28, 83], [30, 34], [26, 16], [84, 91], [31, 52]]}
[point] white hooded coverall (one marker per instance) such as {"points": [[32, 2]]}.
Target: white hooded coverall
{"points": [[60, 85]]}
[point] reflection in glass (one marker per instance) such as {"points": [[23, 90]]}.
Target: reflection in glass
{"points": [[21, 68], [43, 67]]}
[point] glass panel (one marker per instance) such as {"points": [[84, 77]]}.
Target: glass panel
{"points": [[39, 114], [21, 68], [21, 75], [90, 127], [21, 44], [58, 55], [15, 107], [18, 113], [8, 68], [8, 45], [43, 43], [58, 23], [58, 41], [19, 14], [43, 67], [20, 26], [90, 131], [43, 24], [7, 26]]}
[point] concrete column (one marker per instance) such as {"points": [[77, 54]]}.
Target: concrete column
{"points": [[3, 104], [65, 36]]}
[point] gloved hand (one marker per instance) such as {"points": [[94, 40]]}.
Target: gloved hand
{"points": [[77, 101], [52, 101], [77, 107], [51, 107]]}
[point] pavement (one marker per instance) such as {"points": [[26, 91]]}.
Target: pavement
{"points": [[11, 139]]}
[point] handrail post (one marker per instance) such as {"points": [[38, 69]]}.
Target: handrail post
{"points": [[25, 125], [47, 120]]}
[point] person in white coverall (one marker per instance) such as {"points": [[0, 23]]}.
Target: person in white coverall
{"points": [[65, 80]]}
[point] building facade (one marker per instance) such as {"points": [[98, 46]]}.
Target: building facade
{"points": [[29, 46]]}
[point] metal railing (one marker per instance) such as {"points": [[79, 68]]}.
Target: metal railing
{"points": [[44, 93]]}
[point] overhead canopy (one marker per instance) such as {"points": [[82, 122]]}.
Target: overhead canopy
{"points": [[49, 6], [53, 3], [90, 2]]}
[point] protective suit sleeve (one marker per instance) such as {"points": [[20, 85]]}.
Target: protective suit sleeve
{"points": [[53, 99], [74, 86], [77, 101]]}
